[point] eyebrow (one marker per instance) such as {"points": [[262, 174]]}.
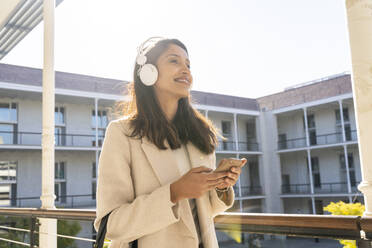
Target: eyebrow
{"points": [[176, 55]]}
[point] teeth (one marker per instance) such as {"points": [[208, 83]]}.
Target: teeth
{"points": [[182, 80]]}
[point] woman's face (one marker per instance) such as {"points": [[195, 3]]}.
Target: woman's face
{"points": [[174, 77]]}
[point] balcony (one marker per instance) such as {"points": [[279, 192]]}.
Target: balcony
{"points": [[323, 188], [305, 226], [323, 139], [292, 143], [243, 146], [296, 189], [62, 201], [34, 139], [251, 190]]}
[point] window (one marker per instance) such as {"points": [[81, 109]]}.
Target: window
{"points": [[60, 129], [316, 171], [345, 112], [251, 131], [60, 181], [8, 133], [102, 122], [226, 132], [347, 128], [310, 121], [94, 180], [311, 129], [282, 141], [286, 188], [8, 126], [8, 112], [59, 116], [251, 135], [102, 119], [350, 159], [8, 183]]}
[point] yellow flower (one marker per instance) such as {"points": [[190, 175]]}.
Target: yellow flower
{"points": [[342, 208]]}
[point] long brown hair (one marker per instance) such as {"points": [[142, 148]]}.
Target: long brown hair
{"points": [[148, 120]]}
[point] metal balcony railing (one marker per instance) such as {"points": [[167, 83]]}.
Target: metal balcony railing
{"points": [[292, 143], [323, 139], [251, 190], [34, 139], [66, 201], [310, 226], [243, 146], [296, 188], [323, 188]]}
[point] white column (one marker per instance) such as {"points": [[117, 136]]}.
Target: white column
{"points": [[345, 148], [342, 121], [309, 160], [240, 189], [359, 16], [47, 190], [306, 128], [310, 171], [347, 170], [206, 113], [96, 128], [237, 156], [236, 133]]}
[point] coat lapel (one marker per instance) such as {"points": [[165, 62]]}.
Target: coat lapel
{"points": [[164, 165], [198, 158], [162, 162]]}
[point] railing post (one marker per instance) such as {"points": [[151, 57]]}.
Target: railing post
{"points": [[32, 231], [359, 20]]}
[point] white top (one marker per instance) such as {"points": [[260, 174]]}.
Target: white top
{"points": [[184, 165]]}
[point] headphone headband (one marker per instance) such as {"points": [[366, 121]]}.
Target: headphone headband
{"points": [[147, 72], [146, 46]]}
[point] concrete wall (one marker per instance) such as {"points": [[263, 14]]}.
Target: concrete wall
{"points": [[270, 163]]}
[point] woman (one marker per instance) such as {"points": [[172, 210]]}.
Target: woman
{"points": [[155, 176]]}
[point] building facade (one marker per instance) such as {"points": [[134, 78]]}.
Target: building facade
{"points": [[301, 144]]}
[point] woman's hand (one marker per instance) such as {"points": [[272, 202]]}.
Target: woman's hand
{"points": [[232, 176], [195, 183]]}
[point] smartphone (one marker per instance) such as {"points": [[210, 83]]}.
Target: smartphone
{"points": [[226, 163]]}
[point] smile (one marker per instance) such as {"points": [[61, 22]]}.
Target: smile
{"points": [[182, 80]]}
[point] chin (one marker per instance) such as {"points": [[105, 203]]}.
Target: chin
{"points": [[185, 94]]}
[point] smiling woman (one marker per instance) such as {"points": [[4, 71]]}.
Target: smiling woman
{"points": [[156, 178]]}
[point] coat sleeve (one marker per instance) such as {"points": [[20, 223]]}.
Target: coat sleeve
{"points": [[131, 217], [219, 206]]}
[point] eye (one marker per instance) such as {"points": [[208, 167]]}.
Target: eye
{"points": [[188, 66], [173, 61]]}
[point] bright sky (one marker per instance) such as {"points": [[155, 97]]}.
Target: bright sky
{"points": [[247, 48]]}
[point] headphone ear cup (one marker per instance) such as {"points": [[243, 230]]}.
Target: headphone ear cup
{"points": [[148, 74]]}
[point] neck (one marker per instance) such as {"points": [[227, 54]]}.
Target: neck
{"points": [[169, 105]]}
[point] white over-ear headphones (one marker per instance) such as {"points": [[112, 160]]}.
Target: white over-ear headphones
{"points": [[147, 72]]}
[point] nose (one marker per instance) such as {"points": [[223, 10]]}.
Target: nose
{"points": [[186, 69]]}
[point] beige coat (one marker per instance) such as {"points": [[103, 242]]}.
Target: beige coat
{"points": [[134, 179]]}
